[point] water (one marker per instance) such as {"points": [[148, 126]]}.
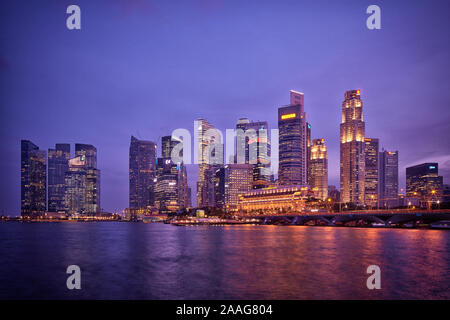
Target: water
{"points": [[158, 261]]}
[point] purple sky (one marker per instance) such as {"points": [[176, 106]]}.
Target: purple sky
{"points": [[145, 68]]}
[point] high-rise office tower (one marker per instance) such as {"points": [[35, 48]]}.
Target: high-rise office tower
{"points": [[371, 171], [292, 142], [253, 147], [90, 153], [167, 145], [219, 187], [189, 198], [319, 169], [167, 196], [352, 160], [58, 165], [33, 179], [183, 188], [210, 155], [388, 178], [424, 182], [142, 165], [308, 153], [75, 195], [230, 182], [92, 204]]}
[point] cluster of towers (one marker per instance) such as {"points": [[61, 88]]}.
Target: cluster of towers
{"points": [[156, 183], [59, 183], [301, 162], [367, 176], [71, 185]]}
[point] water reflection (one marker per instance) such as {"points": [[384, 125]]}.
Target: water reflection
{"points": [[157, 261]]}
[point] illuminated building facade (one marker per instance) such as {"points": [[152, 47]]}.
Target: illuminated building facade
{"points": [[33, 178], [167, 196], [371, 185], [208, 188], [352, 160], [292, 142], [167, 145], [219, 187], [308, 153], [183, 189], [238, 179], [388, 178], [142, 166], [319, 169], [58, 165], [92, 183], [272, 200], [75, 192], [253, 147], [423, 182], [210, 155]]}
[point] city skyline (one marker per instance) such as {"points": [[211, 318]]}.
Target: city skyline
{"points": [[115, 116]]}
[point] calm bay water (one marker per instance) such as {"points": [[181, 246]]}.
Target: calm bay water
{"points": [[158, 261]]}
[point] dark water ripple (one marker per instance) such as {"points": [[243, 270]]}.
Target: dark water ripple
{"points": [[157, 261]]}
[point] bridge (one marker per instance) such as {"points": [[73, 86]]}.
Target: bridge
{"points": [[386, 218]]}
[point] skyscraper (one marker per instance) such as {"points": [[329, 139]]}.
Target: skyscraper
{"points": [[58, 165], [142, 165], [371, 171], [388, 178], [292, 142], [424, 182], [90, 153], [167, 145], [183, 192], [92, 183], [230, 182], [189, 197], [33, 179], [319, 169], [253, 147], [352, 160], [308, 153], [219, 188], [210, 155], [76, 183], [167, 197]]}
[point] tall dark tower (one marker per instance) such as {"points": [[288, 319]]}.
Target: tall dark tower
{"points": [[352, 163], [142, 161], [292, 142], [92, 201], [252, 142], [371, 183], [389, 179], [58, 165], [33, 179]]}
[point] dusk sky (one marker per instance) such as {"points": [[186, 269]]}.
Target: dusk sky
{"points": [[145, 68]]}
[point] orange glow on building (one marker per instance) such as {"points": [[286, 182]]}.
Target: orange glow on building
{"points": [[288, 116], [274, 200]]}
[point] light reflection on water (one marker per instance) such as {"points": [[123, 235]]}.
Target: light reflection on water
{"points": [[158, 261]]}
